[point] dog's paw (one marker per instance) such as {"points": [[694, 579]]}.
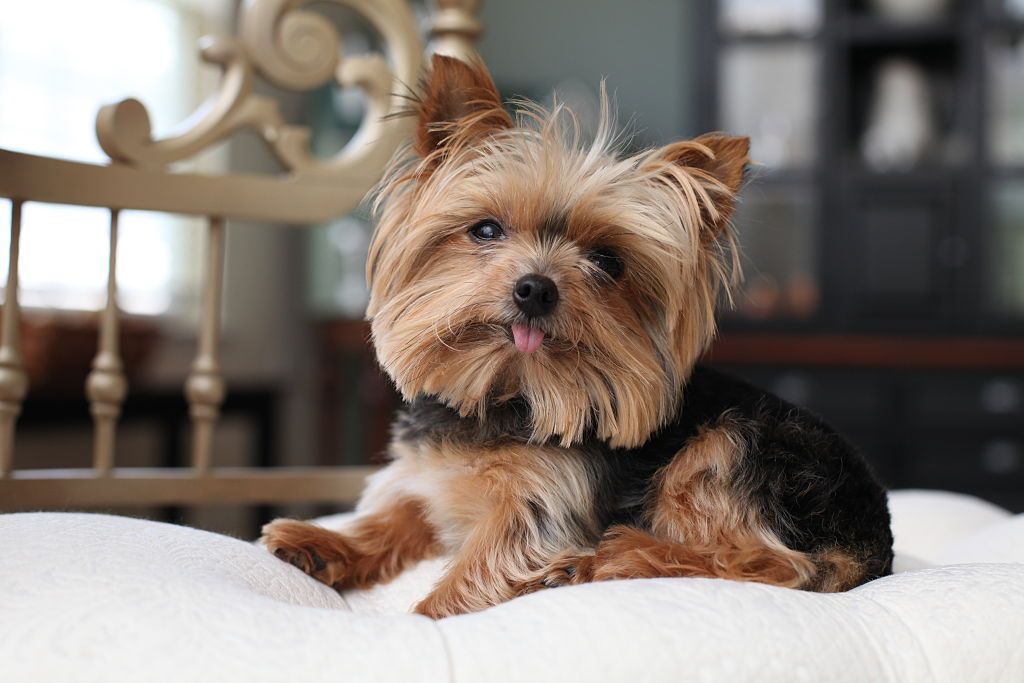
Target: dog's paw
{"points": [[567, 570], [313, 549], [433, 608], [444, 603]]}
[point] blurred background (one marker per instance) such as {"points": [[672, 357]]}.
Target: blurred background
{"points": [[882, 225]]}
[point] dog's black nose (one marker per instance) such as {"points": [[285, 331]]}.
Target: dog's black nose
{"points": [[535, 295]]}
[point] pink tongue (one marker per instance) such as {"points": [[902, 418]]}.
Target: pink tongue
{"points": [[528, 339]]}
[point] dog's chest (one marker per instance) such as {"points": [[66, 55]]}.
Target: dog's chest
{"points": [[466, 488]]}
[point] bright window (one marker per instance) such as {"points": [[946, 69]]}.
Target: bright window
{"points": [[60, 61]]}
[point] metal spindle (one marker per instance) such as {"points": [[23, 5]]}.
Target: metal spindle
{"points": [[205, 388], [106, 385], [13, 380]]}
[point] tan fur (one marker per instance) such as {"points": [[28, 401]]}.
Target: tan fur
{"points": [[631, 553], [375, 549], [483, 506], [699, 526], [702, 526], [461, 92], [440, 304], [838, 571]]}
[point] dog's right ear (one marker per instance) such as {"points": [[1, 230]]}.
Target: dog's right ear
{"points": [[459, 103], [719, 163]]}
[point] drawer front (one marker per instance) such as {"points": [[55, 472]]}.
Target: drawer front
{"points": [[842, 399], [985, 402], [995, 463]]}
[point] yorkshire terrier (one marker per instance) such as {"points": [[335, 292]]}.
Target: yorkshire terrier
{"points": [[541, 304]]}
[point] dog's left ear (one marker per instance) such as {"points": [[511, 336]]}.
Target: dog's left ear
{"points": [[718, 162], [459, 102]]}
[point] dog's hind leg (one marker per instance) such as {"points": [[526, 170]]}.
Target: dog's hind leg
{"points": [[701, 521]]}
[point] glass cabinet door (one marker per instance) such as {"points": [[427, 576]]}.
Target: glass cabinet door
{"points": [[1009, 8], [1006, 101], [1006, 249], [776, 225], [768, 91]]}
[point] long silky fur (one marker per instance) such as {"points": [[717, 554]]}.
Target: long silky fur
{"points": [[440, 328], [606, 453]]}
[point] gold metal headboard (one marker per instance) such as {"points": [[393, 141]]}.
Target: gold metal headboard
{"points": [[286, 44]]}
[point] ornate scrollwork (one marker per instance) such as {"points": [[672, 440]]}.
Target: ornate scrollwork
{"points": [[296, 49]]}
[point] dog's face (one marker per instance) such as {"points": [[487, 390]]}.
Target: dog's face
{"points": [[510, 261]]}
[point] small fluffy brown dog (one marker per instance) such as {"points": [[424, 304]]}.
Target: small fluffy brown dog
{"points": [[541, 304]]}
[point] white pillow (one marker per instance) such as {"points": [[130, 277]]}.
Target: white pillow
{"points": [[102, 598]]}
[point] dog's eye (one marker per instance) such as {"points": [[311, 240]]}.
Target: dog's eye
{"points": [[486, 231], [608, 261]]}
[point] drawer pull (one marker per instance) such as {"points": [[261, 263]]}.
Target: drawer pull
{"points": [[1002, 457], [793, 387], [1001, 396]]}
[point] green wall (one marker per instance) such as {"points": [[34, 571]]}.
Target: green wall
{"points": [[642, 48]]}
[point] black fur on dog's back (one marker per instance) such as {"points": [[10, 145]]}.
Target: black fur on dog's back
{"points": [[809, 485]]}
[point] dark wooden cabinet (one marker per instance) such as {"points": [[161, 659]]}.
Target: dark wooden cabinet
{"points": [[928, 412], [890, 300]]}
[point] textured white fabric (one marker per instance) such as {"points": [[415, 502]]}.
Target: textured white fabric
{"points": [[925, 523], [101, 598]]}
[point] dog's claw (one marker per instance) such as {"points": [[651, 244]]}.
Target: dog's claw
{"points": [[318, 562]]}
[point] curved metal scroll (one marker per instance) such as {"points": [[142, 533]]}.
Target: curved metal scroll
{"points": [[296, 49]]}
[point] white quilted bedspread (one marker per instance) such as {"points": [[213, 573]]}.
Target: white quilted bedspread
{"points": [[101, 598]]}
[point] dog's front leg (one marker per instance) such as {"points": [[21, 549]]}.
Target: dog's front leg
{"points": [[373, 549], [493, 559]]}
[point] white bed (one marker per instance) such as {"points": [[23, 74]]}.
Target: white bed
{"points": [[102, 598]]}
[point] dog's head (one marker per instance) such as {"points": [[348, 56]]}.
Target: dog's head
{"points": [[511, 261]]}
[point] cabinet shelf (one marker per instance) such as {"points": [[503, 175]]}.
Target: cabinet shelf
{"points": [[763, 175], [858, 173], [864, 30], [782, 37], [1005, 24], [1007, 172]]}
